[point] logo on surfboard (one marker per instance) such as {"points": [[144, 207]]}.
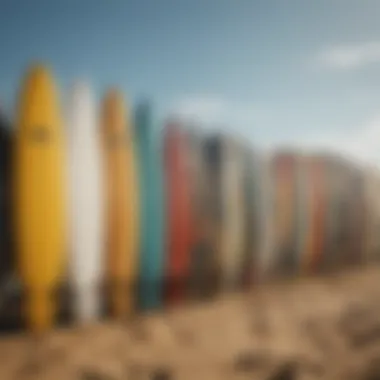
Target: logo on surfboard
{"points": [[40, 134]]}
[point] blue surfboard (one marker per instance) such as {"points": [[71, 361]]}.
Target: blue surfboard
{"points": [[151, 261]]}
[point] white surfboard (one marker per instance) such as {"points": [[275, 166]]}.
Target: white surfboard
{"points": [[86, 203]]}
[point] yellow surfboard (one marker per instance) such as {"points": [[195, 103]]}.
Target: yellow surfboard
{"points": [[39, 196], [121, 204]]}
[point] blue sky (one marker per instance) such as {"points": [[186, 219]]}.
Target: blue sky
{"points": [[305, 73]]}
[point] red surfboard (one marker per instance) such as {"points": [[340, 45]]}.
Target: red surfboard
{"points": [[178, 201]]}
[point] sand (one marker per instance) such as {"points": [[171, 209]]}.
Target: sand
{"points": [[320, 328]]}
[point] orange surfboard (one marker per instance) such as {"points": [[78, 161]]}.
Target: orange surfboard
{"points": [[121, 204]]}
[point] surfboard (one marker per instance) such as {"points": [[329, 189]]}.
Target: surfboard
{"points": [[7, 259], [332, 228], [303, 212], [250, 233], [39, 195], [338, 225], [317, 204], [86, 203], [357, 215], [232, 188], [251, 212], [330, 225], [9, 282], [371, 242], [213, 215], [152, 243], [177, 176], [121, 202], [285, 218], [265, 265], [200, 244]]}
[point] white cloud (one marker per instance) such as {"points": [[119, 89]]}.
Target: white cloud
{"points": [[214, 112], [350, 56], [217, 113], [206, 109]]}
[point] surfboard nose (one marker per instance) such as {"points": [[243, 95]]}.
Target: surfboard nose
{"points": [[173, 127], [39, 70], [81, 89], [114, 111], [143, 113], [39, 100], [39, 78], [81, 109], [81, 95]]}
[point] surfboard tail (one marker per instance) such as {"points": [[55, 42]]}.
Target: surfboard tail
{"points": [[87, 305], [122, 300], [175, 290], [39, 311], [150, 294]]}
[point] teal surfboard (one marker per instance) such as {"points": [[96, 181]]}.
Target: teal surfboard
{"points": [[151, 261]]}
